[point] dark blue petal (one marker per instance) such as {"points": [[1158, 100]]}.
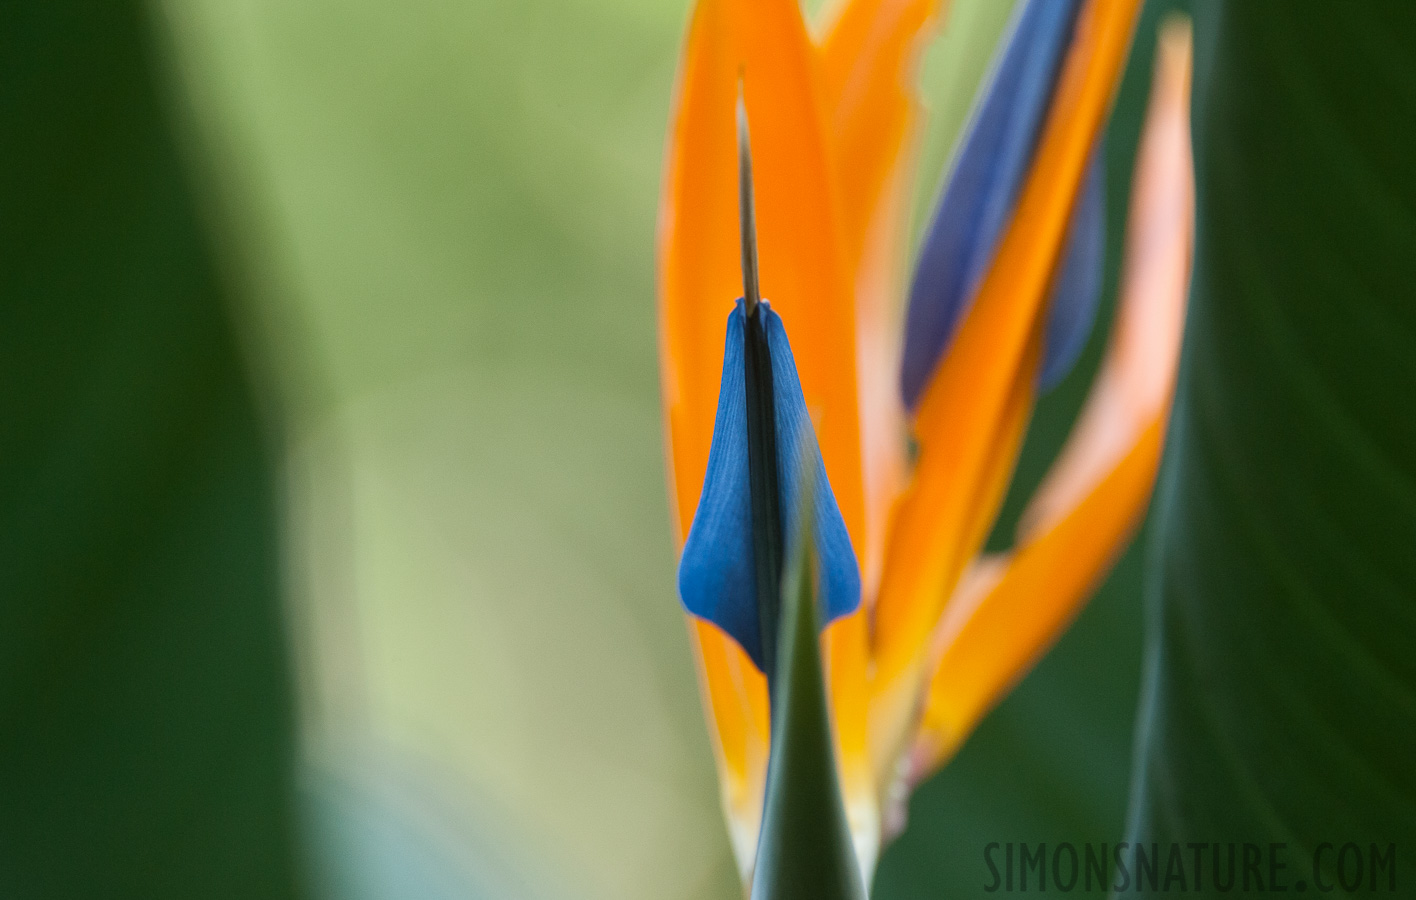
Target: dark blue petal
{"points": [[1078, 284], [983, 186], [716, 574], [717, 579], [838, 589]]}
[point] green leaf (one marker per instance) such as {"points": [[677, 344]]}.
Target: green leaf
{"points": [[147, 725], [805, 848], [1280, 701]]}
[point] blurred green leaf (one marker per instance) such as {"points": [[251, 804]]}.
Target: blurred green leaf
{"points": [[146, 744], [1280, 701], [805, 851]]}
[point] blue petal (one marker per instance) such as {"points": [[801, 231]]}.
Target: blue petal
{"points": [[838, 590], [716, 575], [983, 186], [1078, 284]]}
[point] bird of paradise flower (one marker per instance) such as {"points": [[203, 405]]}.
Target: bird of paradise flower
{"points": [[925, 633]]}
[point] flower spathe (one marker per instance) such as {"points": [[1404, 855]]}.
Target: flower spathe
{"points": [[938, 633]]}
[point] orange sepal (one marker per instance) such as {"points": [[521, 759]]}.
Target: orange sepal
{"points": [[867, 62], [869, 58], [987, 646], [735, 697]]}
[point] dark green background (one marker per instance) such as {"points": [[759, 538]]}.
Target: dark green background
{"points": [[1280, 704], [146, 744]]}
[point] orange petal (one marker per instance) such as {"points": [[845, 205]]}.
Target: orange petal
{"points": [[762, 45], [869, 58], [1096, 492], [867, 76], [987, 647], [893, 704], [735, 697], [1138, 375], [846, 650], [959, 416]]}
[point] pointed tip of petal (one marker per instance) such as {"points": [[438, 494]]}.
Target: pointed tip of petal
{"points": [[988, 174], [751, 289]]}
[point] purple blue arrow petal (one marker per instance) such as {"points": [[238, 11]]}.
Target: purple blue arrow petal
{"points": [[982, 191], [716, 576]]}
